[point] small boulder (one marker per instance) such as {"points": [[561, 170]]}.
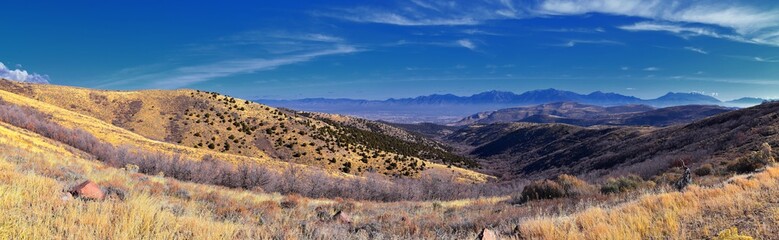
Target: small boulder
{"points": [[342, 217], [88, 190], [65, 197], [487, 234]]}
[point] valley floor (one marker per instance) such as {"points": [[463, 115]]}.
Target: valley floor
{"points": [[34, 175]]}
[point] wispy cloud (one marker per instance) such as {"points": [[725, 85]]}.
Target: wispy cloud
{"points": [[697, 50], [687, 31], [21, 75], [184, 76], [461, 43], [574, 30], [431, 13], [755, 58], [466, 44], [744, 19], [574, 42], [737, 21], [769, 60], [370, 15], [651, 69], [243, 53]]}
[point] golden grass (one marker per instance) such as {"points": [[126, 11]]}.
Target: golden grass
{"points": [[694, 213], [30, 200], [96, 110], [32, 209]]}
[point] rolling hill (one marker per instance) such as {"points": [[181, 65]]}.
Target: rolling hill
{"points": [[543, 150], [197, 123]]}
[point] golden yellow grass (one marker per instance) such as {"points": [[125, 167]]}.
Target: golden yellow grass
{"points": [[32, 208], [695, 213], [30, 200], [95, 111]]}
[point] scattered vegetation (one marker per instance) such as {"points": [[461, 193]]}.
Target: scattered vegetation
{"points": [[624, 184], [562, 186], [308, 182]]}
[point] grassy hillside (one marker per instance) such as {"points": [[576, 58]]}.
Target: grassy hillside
{"points": [[36, 171], [544, 150], [197, 123]]}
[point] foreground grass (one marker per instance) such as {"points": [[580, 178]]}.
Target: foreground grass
{"points": [[747, 202], [34, 172]]}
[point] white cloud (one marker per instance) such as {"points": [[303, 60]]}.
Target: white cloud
{"points": [[730, 20], [625, 68], [432, 13], [742, 18], [651, 69], [749, 24], [369, 15], [184, 76], [698, 50], [574, 42], [317, 37], [466, 44], [769, 60], [22, 75], [685, 31]]}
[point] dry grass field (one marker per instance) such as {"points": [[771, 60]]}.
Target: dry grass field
{"points": [[195, 124], [39, 165], [34, 173]]}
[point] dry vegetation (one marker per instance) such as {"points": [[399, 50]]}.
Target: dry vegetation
{"points": [[161, 190], [34, 174], [199, 123]]}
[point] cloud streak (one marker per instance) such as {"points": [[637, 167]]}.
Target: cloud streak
{"points": [[697, 50], [184, 76], [466, 44], [22, 75], [574, 42], [727, 20]]}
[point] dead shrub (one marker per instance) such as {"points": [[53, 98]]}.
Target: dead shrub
{"points": [[546, 189], [704, 170], [623, 184]]}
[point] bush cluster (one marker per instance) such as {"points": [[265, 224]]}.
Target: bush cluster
{"points": [[309, 182], [562, 186]]}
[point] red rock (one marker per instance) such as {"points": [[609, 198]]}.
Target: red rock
{"points": [[342, 217], [88, 190], [487, 234]]}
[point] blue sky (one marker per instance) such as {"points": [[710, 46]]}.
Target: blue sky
{"points": [[383, 49]]}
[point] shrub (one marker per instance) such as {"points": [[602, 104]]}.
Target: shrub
{"points": [[546, 189], [705, 169], [312, 182], [573, 186], [622, 184], [753, 160]]}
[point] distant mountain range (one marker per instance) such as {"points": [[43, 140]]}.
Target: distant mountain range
{"points": [[588, 115], [448, 107]]}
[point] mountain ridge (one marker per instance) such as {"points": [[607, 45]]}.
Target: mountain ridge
{"points": [[447, 108], [534, 96]]}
